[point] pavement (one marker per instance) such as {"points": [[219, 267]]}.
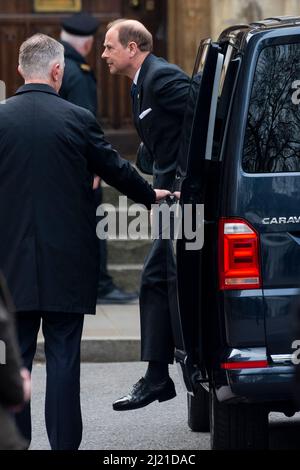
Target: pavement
{"points": [[157, 426], [112, 335]]}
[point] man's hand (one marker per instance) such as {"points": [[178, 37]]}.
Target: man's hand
{"points": [[96, 182], [25, 374], [177, 194], [161, 194]]}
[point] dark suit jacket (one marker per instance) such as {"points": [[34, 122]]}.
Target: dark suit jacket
{"points": [[163, 88], [79, 82], [49, 151]]}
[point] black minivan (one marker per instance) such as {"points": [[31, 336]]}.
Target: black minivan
{"points": [[240, 157]]}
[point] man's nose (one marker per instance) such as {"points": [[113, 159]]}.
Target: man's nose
{"points": [[103, 55]]}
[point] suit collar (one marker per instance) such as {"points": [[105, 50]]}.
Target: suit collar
{"points": [[42, 87], [139, 92], [144, 68]]}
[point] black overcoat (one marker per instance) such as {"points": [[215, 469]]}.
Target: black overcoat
{"points": [[49, 151]]}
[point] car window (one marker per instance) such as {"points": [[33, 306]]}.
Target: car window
{"points": [[185, 141], [272, 139]]}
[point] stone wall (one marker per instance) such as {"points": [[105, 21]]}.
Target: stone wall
{"points": [[191, 20], [225, 13], [188, 22]]}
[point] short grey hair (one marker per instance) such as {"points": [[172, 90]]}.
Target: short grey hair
{"points": [[37, 54]]}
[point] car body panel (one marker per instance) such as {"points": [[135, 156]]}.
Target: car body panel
{"points": [[247, 320]]}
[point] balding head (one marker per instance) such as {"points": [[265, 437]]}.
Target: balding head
{"points": [[127, 44], [133, 31]]}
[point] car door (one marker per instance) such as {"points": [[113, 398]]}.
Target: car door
{"points": [[191, 178], [193, 295]]}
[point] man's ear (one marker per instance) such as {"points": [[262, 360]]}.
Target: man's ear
{"points": [[20, 71], [88, 46], [56, 72], [132, 48]]}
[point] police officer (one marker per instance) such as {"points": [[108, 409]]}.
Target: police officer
{"points": [[79, 87], [79, 82]]}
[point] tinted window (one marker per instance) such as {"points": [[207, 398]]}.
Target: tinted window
{"points": [[272, 141], [185, 141]]}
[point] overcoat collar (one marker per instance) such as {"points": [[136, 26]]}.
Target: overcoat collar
{"points": [[71, 53], [36, 87]]}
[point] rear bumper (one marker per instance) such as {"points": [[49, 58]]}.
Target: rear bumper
{"points": [[263, 384]]}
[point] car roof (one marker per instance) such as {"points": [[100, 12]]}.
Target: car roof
{"points": [[238, 32]]}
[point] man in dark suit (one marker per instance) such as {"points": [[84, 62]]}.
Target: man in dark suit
{"points": [[79, 86], [159, 93], [50, 150]]}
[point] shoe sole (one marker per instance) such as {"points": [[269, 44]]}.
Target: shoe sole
{"points": [[167, 397]]}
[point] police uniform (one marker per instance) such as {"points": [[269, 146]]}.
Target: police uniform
{"points": [[79, 83]]}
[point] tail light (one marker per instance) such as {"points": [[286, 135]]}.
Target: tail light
{"points": [[244, 365], [239, 265]]}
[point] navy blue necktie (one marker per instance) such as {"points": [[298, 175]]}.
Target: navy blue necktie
{"points": [[133, 93]]}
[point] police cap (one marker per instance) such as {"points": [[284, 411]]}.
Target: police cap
{"points": [[81, 24]]}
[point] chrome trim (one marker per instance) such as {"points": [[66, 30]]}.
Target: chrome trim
{"points": [[213, 107], [246, 354], [280, 358]]}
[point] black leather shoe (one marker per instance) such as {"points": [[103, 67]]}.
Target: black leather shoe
{"points": [[117, 296], [143, 393]]}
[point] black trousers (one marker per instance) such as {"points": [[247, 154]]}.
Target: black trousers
{"points": [[62, 333], [159, 275], [105, 281]]}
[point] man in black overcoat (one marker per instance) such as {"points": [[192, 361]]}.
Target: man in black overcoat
{"points": [[159, 94], [50, 150]]}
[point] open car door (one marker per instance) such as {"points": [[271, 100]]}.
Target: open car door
{"points": [[191, 177]]}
